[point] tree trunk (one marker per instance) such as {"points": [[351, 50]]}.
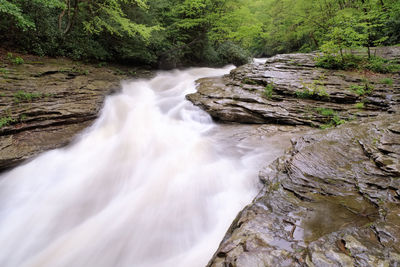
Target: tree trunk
{"points": [[70, 19]]}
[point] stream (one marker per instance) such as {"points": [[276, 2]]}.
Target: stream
{"points": [[153, 182]]}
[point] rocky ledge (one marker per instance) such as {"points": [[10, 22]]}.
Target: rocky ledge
{"points": [[290, 89], [332, 200], [45, 102]]}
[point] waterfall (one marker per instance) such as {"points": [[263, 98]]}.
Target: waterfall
{"points": [[151, 183]]}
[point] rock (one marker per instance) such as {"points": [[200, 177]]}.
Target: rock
{"points": [[332, 200], [290, 89], [43, 105]]}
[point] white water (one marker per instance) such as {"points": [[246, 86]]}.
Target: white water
{"points": [[146, 185], [259, 60]]}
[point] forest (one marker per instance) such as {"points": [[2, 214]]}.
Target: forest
{"points": [[173, 33]]}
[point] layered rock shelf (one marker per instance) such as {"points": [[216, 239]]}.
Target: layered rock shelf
{"points": [[45, 102], [290, 89]]}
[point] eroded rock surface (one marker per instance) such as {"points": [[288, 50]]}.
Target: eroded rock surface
{"points": [[290, 89], [45, 102], [332, 200]]}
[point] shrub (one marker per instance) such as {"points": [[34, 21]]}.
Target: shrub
{"points": [[336, 62], [350, 61], [381, 65], [229, 52]]}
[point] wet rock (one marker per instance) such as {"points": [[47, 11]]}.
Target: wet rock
{"points": [[332, 200], [290, 89], [43, 105]]}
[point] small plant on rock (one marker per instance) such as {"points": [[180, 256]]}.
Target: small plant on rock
{"points": [[4, 121], [363, 89], [22, 96], [359, 105], [387, 81], [18, 61], [326, 112], [15, 60], [269, 90]]}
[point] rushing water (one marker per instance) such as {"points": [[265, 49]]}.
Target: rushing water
{"points": [[154, 182]]}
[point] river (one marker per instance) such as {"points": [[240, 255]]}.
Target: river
{"points": [[153, 182]]}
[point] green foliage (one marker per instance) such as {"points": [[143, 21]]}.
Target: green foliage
{"points": [[4, 121], [22, 96], [334, 121], [110, 17], [349, 61], [13, 12], [15, 60], [172, 33], [363, 89], [325, 112], [332, 118], [381, 65], [18, 60], [387, 81], [314, 90], [269, 90], [359, 105], [358, 89], [229, 52], [329, 60], [305, 93]]}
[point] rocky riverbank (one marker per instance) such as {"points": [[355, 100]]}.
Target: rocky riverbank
{"points": [[45, 102], [290, 89], [334, 198]]}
